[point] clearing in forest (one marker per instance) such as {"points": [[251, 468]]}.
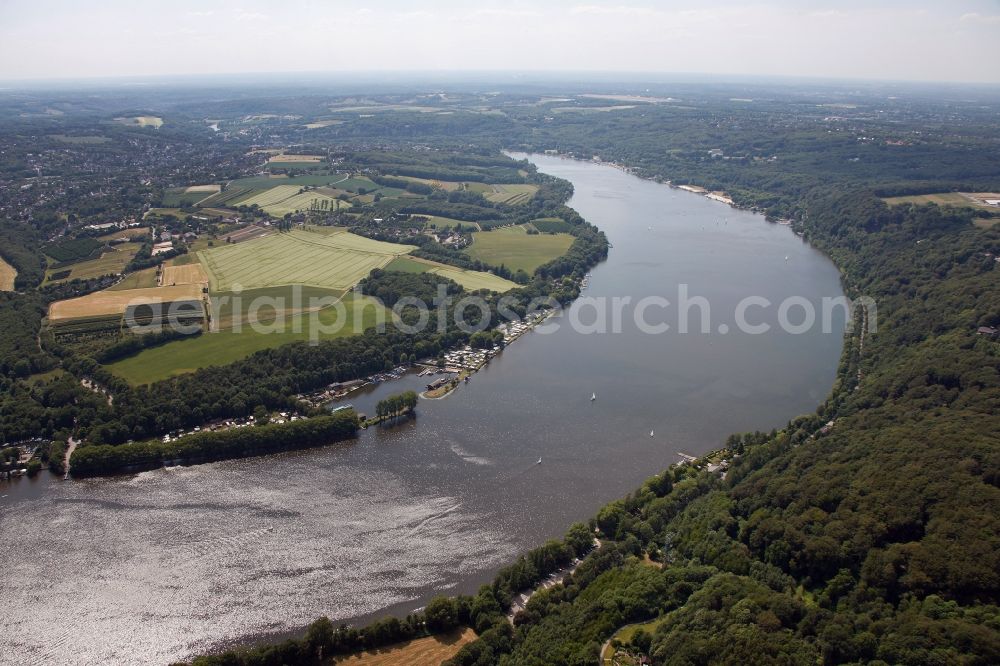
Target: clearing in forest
{"points": [[7, 275], [429, 651]]}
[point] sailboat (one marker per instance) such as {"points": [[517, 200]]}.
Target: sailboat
{"points": [[539, 462], [593, 397], [650, 433]]}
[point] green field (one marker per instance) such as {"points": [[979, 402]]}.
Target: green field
{"points": [[224, 347], [283, 199], [551, 225], [471, 280], [474, 280], [511, 194], [447, 222], [261, 182], [143, 279], [110, 262], [514, 248], [230, 309], [231, 193], [967, 199], [408, 265], [335, 261]]}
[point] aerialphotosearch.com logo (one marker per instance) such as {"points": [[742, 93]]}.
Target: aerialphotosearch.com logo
{"points": [[320, 317]]}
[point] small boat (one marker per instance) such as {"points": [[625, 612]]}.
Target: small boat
{"points": [[786, 257], [593, 397], [539, 462], [650, 433]]}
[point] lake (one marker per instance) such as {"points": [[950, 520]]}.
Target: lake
{"points": [[158, 566]]}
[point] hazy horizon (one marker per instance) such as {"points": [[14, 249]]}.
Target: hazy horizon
{"points": [[884, 41]]}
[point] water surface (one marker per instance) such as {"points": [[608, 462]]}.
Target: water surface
{"points": [[157, 566]]}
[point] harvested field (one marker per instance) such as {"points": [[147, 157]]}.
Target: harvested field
{"points": [[335, 261], [319, 124], [115, 302], [7, 275], [314, 159], [246, 233], [429, 651], [191, 273], [211, 187]]}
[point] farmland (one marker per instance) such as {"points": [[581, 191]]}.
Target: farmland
{"points": [[191, 273], [303, 159], [111, 261], [144, 279], [516, 249], [224, 347], [7, 275], [511, 194], [142, 121], [283, 199], [232, 310], [471, 280], [227, 195], [115, 302], [336, 261], [969, 199]]}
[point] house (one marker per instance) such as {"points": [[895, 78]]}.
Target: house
{"points": [[987, 330], [165, 237]]}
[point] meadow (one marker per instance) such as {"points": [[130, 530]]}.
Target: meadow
{"points": [[7, 275], [335, 261], [227, 346], [111, 261], [515, 248], [144, 279], [968, 199], [474, 280]]}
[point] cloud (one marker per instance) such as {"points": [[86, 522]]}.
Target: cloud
{"points": [[252, 16], [976, 17], [615, 10]]}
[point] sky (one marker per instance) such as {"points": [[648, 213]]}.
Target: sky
{"points": [[919, 40]]}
